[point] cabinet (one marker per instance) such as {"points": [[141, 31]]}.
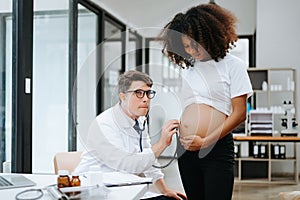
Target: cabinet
{"points": [[260, 123], [270, 114], [272, 87], [267, 164]]}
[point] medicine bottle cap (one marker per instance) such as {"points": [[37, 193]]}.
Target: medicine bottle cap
{"points": [[75, 174], [63, 172]]}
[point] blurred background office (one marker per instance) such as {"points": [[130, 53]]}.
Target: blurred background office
{"points": [[60, 61]]}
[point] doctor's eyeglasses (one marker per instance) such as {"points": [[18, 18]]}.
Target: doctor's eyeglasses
{"points": [[141, 93]]}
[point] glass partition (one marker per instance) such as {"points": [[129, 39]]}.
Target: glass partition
{"points": [[113, 62], [50, 83], [5, 84], [86, 73], [134, 51], [51, 76]]}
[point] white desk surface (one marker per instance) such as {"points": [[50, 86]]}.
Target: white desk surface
{"points": [[133, 192]]}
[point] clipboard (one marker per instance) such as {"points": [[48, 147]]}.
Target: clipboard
{"points": [[118, 179]]}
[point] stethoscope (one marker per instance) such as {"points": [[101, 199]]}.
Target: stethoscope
{"points": [[140, 131], [36, 193]]}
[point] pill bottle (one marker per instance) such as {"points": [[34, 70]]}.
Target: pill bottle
{"points": [[63, 179], [75, 181], [264, 86]]}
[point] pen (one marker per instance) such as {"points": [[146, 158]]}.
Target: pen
{"points": [[125, 184]]}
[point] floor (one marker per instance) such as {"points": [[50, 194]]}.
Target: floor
{"points": [[241, 191], [261, 191]]}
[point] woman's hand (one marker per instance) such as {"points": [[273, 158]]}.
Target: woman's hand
{"points": [[192, 142]]}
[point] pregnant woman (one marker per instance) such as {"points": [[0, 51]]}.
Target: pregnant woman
{"points": [[215, 89]]}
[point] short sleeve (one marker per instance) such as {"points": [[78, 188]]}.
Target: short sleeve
{"points": [[239, 80]]}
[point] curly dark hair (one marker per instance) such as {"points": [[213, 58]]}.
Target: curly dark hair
{"points": [[208, 25]]}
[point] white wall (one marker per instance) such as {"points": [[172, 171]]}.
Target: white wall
{"points": [[245, 12], [278, 31], [277, 39], [6, 6], [158, 13]]}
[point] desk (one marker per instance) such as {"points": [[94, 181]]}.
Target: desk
{"points": [[269, 161], [267, 138], [133, 192]]}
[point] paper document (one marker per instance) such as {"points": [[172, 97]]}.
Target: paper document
{"points": [[114, 179]]}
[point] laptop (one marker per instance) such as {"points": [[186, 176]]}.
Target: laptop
{"points": [[8, 181]]}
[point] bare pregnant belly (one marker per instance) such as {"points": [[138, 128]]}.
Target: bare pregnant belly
{"points": [[201, 120]]}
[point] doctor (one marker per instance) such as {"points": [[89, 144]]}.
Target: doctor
{"points": [[118, 138]]}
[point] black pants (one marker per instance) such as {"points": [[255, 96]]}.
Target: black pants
{"points": [[208, 174]]}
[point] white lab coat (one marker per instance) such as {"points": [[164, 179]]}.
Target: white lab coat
{"points": [[113, 144]]}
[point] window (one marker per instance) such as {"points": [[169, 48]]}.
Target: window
{"points": [[245, 49], [50, 83]]}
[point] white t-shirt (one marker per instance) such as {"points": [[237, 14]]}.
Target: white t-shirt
{"points": [[216, 83]]}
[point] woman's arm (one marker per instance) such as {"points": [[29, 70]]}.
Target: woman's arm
{"points": [[238, 115]]}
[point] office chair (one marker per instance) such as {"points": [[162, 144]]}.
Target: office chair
{"points": [[66, 161]]}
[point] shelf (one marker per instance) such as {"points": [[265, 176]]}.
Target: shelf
{"points": [[252, 159], [267, 138], [261, 122], [252, 180], [259, 170], [264, 159], [265, 181], [261, 125], [264, 124], [261, 131], [280, 91], [282, 160]]}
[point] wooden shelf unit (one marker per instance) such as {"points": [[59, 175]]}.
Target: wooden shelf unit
{"points": [[269, 160], [281, 86]]}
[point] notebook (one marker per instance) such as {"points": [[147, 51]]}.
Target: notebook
{"points": [[14, 180]]}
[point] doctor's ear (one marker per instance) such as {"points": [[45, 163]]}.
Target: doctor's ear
{"points": [[122, 96]]}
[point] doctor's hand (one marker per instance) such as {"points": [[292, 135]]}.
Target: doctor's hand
{"points": [[192, 142], [168, 130], [175, 195]]}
